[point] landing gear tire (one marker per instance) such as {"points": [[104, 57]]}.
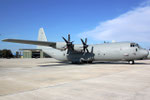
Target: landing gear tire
{"points": [[131, 62], [87, 62], [75, 62], [90, 62]]}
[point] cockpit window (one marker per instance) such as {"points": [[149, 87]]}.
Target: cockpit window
{"points": [[134, 45]]}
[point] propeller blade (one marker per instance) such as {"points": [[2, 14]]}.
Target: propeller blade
{"points": [[85, 40], [87, 50], [92, 49], [65, 40], [67, 51], [68, 37]]}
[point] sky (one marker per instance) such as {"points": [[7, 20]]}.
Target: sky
{"points": [[98, 20]]}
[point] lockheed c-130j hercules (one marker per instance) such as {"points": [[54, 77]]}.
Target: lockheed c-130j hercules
{"points": [[81, 53]]}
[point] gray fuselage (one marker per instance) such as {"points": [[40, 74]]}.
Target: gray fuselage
{"points": [[121, 51]]}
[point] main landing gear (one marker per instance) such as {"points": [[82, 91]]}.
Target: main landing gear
{"points": [[131, 62], [83, 62]]}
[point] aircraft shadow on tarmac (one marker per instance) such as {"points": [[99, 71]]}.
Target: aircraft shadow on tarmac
{"points": [[124, 63], [53, 64]]}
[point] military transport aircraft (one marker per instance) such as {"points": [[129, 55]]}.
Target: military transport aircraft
{"points": [[84, 53]]}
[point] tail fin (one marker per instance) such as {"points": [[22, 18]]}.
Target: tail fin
{"points": [[42, 36]]}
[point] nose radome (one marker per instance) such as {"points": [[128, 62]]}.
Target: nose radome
{"points": [[145, 53], [148, 55]]}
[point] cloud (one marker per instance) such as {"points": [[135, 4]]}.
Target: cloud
{"points": [[133, 25]]}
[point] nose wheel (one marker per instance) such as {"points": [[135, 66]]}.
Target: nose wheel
{"points": [[131, 62]]}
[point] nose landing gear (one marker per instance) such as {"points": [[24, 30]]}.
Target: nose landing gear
{"points": [[131, 62]]}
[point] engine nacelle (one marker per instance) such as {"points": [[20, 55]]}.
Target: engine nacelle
{"points": [[60, 45], [78, 47]]}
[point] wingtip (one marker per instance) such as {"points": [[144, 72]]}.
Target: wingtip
{"points": [[5, 40]]}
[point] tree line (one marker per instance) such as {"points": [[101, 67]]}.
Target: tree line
{"points": [[5, 53]]}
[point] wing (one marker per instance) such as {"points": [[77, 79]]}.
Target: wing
{"points": [[42, 43]]}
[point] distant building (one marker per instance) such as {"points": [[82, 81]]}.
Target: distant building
{"points": [[33, 53]]}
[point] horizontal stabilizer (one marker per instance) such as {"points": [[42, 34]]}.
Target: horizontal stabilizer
{"points": [[41, 43]]}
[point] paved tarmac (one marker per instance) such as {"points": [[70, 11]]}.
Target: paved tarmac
{"points": [[48, 79]]}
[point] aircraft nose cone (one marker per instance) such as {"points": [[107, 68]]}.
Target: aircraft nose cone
{"points": [[148, 55], [145, 53]]}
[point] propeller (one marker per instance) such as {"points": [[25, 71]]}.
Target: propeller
{"points": [[85, 46], [68, 43]]}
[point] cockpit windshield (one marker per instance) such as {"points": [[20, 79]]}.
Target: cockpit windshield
{"points": [[134, 45]]}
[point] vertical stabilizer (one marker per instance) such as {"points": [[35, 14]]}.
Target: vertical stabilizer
{"points": [[42, 36]]}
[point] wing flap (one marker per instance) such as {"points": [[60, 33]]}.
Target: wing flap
{"points": [[42, 43]]}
